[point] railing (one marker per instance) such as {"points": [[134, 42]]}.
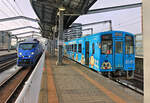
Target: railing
{"points": [[31, 89]]}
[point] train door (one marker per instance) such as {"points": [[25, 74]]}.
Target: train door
{"points": [[129, 52], [118, 54], [87, 53], [106, 52]]}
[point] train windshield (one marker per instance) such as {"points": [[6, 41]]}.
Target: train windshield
{"points": [[27, 46], [129, 44], [106, 44]]}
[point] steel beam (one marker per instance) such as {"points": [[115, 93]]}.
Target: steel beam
{"points": [[26, 33], [27, 36], [19, 17], [22, 28]]}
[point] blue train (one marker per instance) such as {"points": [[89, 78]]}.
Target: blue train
{"points": [[112, 53], [28, 52]]}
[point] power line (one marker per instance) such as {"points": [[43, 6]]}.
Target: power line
{"points": [[21, 11], [15, 10], [4, 13], [6, 5], [129, 23], [13, 7], [9, 8]]}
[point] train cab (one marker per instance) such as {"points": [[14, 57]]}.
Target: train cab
{"points": [[28, 52], [117, 53]]}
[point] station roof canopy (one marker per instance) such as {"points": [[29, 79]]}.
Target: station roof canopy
{"points": [[47, 11]]}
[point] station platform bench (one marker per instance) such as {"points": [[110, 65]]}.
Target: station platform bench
{"points": [[74, 83]]}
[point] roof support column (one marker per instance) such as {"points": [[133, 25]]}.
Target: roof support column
{"points": [[9, 43], [60, 38], [49, 46], [53, 44]]}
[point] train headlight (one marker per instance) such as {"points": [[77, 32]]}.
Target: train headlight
{"points": [[32, 53], [20, 53]]}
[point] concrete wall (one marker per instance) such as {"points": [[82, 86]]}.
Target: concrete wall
{"points": [[146, 39]]}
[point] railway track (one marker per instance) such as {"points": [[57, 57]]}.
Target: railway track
{"points": [[130, 85], [138, 77], [10, 88], [6, 61], [135, 84], [4, 66]]}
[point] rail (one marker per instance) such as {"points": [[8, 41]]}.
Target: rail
{"points": [[5, 66], [11, 85]]}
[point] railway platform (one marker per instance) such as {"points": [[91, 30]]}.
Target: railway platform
{"points": [[3, 53], [74, 83]]}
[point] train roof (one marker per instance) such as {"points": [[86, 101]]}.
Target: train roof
{"points": [[100, 33], [31, 40], [108, 33]]}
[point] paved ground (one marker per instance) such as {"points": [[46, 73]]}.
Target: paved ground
{"points": [[77, 84]]}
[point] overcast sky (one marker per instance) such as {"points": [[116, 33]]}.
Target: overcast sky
{"points": [[125, 20], [128, 20], [9, 8]]}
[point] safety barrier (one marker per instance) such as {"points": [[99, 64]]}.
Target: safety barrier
{"points": [[31, 89]]}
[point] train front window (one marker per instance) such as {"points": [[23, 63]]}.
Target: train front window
{"points": [[118, 47], [106, 44], [27, 46], [129, 45]]}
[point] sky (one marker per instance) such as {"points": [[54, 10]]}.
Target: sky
{"points": [[128, 20], [125, 20], [9, 8]]}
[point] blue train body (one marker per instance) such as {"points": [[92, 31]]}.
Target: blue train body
{"points": [[28, 52], [107, 52]]}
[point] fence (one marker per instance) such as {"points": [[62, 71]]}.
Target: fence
{"points": [[31, 89]]}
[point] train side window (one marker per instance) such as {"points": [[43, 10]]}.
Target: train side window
{"points": [[75, 46], [129, 45], [118, 47], [93, 49], [80, 48], [72, 47], [69, 47], [106, 44]]}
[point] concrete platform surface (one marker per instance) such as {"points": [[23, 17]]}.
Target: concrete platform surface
{"points": [[74, 83], [6, 52]]}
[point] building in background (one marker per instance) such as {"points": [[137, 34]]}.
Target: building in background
{"points": [[75, 31], [139, 45], [5, 40]]}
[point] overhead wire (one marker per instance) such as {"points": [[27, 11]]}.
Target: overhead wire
{"points": [[19, 14], [21, 11], [6, 14], [13, 7], [11, 10], [126, 24]]}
